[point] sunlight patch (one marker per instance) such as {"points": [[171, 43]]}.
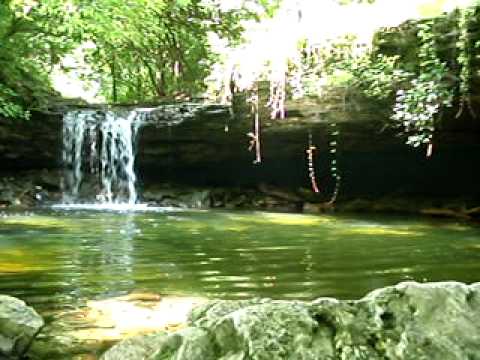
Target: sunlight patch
{"points": [[38, 221], [279, 219], [20, 267], [291, 219], [137, 313], [378, 230]]}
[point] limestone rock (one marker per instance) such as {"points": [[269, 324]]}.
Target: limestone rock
{"points": [[19, 324], [207, 314], [273, 330], [137, 347], [191, 343], [407, 321]]}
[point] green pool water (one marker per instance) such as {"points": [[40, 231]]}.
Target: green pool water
{"points": [[60, 259]]}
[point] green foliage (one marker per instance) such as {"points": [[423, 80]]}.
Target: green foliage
{"points": [[138, 50], [464, 58], [414, 68], [145, 50], [347, 2], [33, 37], [270, 6], [376, 75], [420, 87], [417, 106], [8, 106]]}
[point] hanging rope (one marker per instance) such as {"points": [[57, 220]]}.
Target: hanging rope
{"points": [[226, 128], [429, 149], [311, 167]]}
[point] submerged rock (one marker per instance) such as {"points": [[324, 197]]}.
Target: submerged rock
{"points": [[88, 331], [19, 324], [407, 321]]}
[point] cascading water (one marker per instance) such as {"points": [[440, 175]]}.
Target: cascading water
{"points": [[99, 153], [99, 156]]}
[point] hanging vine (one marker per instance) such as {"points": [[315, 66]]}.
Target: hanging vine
{"points": [[334, 162], [417, 107], [255, 134], [464, 59], [277, 97]]}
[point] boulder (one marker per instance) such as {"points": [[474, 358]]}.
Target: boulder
{"points": [[137, 347], [406, 321], [19, 325]]}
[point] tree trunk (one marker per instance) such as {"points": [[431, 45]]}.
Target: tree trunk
{"points": [[114, 80]]}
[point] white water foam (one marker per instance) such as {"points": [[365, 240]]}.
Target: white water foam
{"points": [[99, 157], [120, 207]]}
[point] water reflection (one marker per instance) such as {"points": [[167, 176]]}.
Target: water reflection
{"points": [[111, 253], [66, 258]]}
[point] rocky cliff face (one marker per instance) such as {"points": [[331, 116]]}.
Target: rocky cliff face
{"points": [[371, 162], [210, 150], [30, 145]]}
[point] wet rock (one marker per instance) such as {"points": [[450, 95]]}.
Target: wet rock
{"points": [[191, 343], [49, 180], [30, 188], [272, 330], [407, 321], [196, 199], [178, 197], [19, 324], [28, 145], [57, 341], [311, 208]]}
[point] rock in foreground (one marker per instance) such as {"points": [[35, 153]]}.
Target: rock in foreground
{"points": [[407, 321], [19, 324]]}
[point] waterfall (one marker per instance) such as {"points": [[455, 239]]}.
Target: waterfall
{"points": [[99, 156]]}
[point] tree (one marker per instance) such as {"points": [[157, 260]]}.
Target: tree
{"points": [[142, 50], [146, 50], [33, 37]]}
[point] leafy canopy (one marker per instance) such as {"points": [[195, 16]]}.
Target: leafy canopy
{"points": [[33, 37], [139, 50]]}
